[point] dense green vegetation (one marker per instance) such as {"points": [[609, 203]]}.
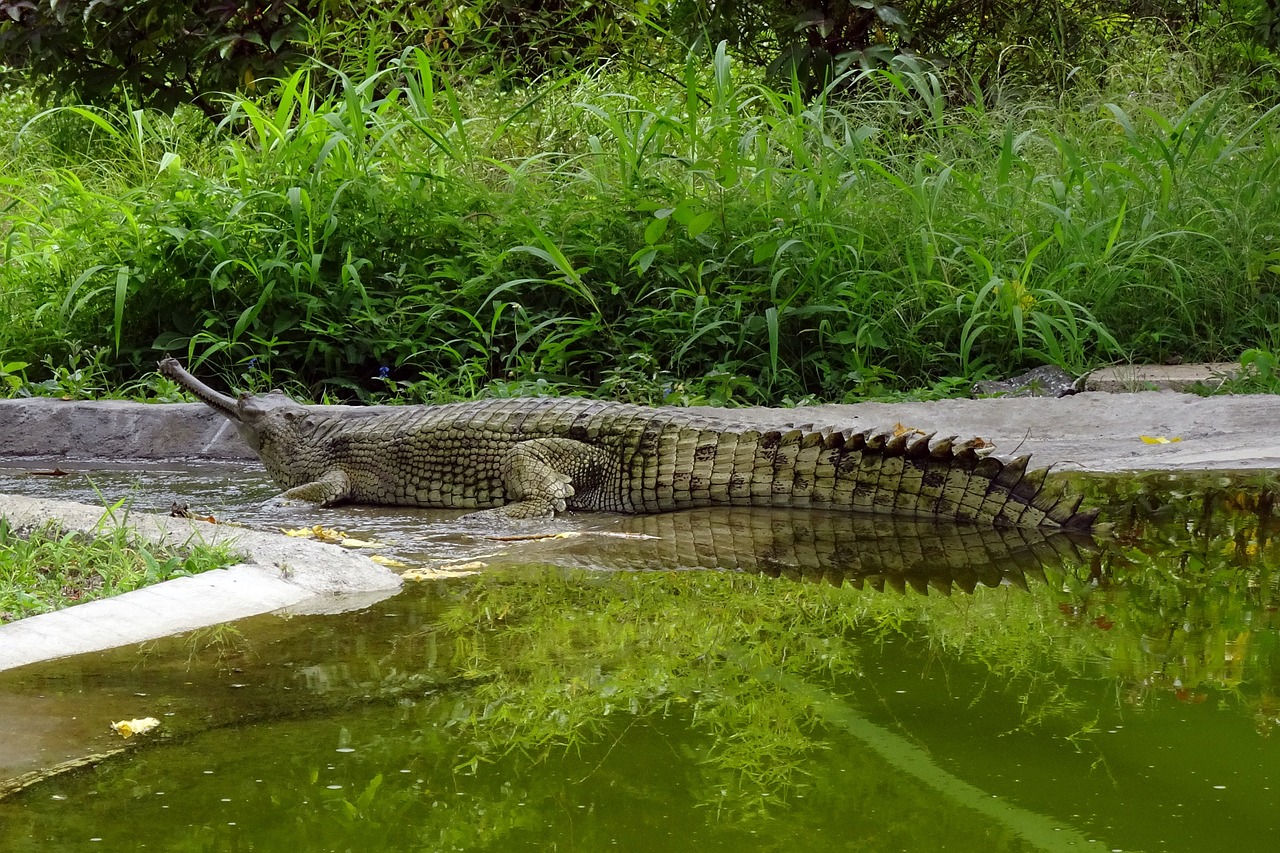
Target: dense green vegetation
{"points": [[690, 228], [48, 570]]}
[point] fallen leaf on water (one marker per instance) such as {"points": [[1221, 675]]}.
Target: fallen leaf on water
{"points": [[387, 561], [129, 728], [350, 542], [452, 571], [472, 566], [56, 472], [535, 537], [1158, 439], [328, 534], [324, 534]]}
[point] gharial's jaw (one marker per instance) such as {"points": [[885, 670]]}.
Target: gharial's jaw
{"points": [[253, 416], [228, 406]]}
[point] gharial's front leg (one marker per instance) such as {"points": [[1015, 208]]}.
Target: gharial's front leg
{"points": [[334, 487], [540, 475]]}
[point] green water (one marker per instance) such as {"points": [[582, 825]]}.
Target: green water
{"points": [[1122, 697]]}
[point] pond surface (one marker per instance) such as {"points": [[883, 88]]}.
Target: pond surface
{"points": [[938, 689]]}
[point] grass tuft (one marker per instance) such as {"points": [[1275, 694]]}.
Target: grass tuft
{"points": [[49, 569]]}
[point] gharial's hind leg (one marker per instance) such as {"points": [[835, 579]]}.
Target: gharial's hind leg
{"points": [[539, 475], [330, 489]]}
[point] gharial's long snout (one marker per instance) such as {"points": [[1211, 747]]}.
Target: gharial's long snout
{"points": [[228, 406]]}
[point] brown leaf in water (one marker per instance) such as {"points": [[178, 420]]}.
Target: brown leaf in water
{"points": [[451, 571], [352, 542], [56, 472]]}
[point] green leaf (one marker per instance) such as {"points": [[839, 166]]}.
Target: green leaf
{"points": [[122, 290], [643, 259], [701, 222], [655, 230], [763, 251]]}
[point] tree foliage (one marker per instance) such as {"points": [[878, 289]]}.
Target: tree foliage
{"points": [[158, 53]]}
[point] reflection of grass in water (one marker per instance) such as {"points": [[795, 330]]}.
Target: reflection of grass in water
{"points": [[534, 668], [1181, 602], [643, 786], [554, 657]]}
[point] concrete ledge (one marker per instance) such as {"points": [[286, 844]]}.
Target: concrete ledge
{"points": [[278, 572], [120, 429], [114, 429], [1152, 377], [1093, 431]]}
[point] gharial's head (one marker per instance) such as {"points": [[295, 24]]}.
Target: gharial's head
{"points": [[265, 422]]}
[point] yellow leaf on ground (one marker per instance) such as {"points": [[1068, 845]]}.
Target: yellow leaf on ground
{"points": [[1158, 439], [387, 561], [129, 728]]}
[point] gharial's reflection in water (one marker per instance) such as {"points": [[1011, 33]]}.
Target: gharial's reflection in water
{"points": [[834, 547], [876, 551]]}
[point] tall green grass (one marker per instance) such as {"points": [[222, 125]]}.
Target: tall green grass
{"points": [[714, 240]]}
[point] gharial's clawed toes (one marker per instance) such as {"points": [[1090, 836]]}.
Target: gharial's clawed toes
{"points": [[533, 508]]}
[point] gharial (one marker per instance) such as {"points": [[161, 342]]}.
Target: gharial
{"points": [[528, 458]]}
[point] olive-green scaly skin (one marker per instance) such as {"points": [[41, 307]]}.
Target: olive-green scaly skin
{"points": [[534, 457]]}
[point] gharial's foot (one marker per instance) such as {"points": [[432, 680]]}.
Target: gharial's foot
{"points": [[541, 507]]}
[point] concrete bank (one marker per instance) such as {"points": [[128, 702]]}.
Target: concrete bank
{"points": [[277, 573], [1093, 431]]}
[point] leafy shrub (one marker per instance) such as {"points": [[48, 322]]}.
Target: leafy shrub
{"points": [[159, 53]]}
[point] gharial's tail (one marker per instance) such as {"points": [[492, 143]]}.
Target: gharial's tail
{"points": [[902, 472]]}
